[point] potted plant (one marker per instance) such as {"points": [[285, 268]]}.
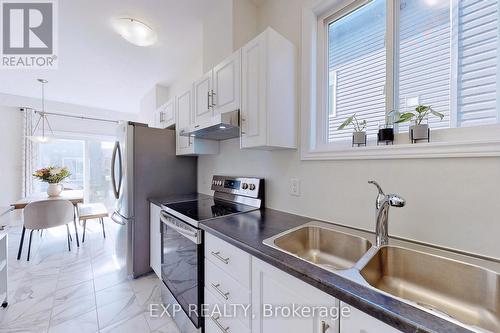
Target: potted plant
{"points": [[386, 131], [53, 176], [359, 134], [419, 131]]}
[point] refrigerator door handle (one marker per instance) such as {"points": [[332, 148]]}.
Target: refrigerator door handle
{"points": [[116, 151], [118, 218]]}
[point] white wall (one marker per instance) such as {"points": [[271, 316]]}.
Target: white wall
{"points": [[10, 155], [217, 33], [451, 202]]}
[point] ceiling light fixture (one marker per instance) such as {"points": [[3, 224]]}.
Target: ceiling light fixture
{"points": [[43, 120], [135, 31]]}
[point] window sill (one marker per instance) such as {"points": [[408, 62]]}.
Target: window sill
{"points": [[484, 148]]}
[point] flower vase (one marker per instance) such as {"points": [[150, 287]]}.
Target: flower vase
{"points": [[54, 190]]}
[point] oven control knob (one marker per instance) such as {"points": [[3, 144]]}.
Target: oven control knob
{"points": [[244, 186], [252, 187]]}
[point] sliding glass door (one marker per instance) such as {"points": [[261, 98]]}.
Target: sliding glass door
{"points": [[89, 161]]}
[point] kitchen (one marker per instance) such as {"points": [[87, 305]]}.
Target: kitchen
{"points": [[279, 211]]}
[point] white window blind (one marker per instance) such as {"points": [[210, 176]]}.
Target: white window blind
{"points": [[425, 58], [478, 43], [449, 60], [356, 64]]}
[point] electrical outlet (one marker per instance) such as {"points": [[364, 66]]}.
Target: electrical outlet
{"points": [[295, 187]]}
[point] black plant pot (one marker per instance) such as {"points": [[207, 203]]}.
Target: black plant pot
{"points": [[385, 135]]}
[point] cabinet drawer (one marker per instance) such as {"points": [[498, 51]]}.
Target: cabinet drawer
{"points": [[229, 258], [228, 323], [226, 289]]}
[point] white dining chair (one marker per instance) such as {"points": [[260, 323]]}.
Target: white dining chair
{"points": [[46, 214]]}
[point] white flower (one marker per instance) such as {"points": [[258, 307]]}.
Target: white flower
{"points": [[55, 171]]}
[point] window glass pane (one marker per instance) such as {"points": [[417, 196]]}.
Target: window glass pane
{"points": [[448, 59], [63, 153], [356, 69], [89, 162], [478, 47]]}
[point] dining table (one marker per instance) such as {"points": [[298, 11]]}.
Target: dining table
{"points": [[74, 196]]}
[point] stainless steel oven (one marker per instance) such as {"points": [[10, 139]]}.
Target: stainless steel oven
{"points": [[182, 243], [182, 270]]}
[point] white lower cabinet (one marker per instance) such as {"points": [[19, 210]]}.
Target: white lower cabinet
{"points": [[276, 293], [250, 295], [258, 297], [359, 322], [155, 238]]}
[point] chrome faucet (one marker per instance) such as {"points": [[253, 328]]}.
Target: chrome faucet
{"points": [[382, 204]]}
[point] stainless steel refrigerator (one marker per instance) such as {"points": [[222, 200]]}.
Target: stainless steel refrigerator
{"points": [[145, 165]]}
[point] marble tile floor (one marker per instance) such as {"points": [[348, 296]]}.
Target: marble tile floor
{"points": [[85, 290]]}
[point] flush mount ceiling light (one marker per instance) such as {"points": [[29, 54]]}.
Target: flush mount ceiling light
{"points": [[42, 122], [135, 31]]}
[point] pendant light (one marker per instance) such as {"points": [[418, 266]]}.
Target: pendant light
{"points": [[43, 121]]}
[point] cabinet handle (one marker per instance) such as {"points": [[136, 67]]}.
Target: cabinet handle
{"points": [[213, 94], [216, 321], [161, 117], [324, 326], [218, 256], [218, 290], [208, 100]]}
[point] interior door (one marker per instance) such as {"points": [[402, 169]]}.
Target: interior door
{"points": [[203, 111], [227, 84]]}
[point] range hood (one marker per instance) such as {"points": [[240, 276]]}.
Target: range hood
{"points": [[223, 127]]}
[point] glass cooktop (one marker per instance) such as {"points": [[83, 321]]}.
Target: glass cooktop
{"points": [[208, 208]]}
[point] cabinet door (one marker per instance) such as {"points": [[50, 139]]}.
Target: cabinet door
{"points": [[253, 96], [155, 239], [227, 84], [273, 288], [360, 322], [165, 115], [184, 112], [203, 111]]}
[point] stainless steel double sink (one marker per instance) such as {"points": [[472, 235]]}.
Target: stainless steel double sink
{"points": [[441, 282]]}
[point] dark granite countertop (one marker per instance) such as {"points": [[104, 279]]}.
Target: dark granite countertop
{"points": [[177, 198], [247, 231]]}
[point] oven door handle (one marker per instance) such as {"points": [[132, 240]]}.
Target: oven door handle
{"points": [[190, 233]]}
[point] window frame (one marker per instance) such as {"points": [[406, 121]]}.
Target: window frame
{"points": [[452, 142]]}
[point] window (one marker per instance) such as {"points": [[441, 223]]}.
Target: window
{"points": [[88, 160], [448, 58], [356, 68], [382, 55]]}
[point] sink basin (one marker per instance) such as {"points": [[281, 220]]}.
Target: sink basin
{"points": [[321, 246], [453, 289]]}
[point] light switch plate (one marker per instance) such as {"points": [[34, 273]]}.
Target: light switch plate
{"points": [[295, 187]]}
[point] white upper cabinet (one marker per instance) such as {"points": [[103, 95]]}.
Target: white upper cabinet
{"points": [[190, 145], [268, 96], [203, 111], [165, 114], [226, 91]]}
